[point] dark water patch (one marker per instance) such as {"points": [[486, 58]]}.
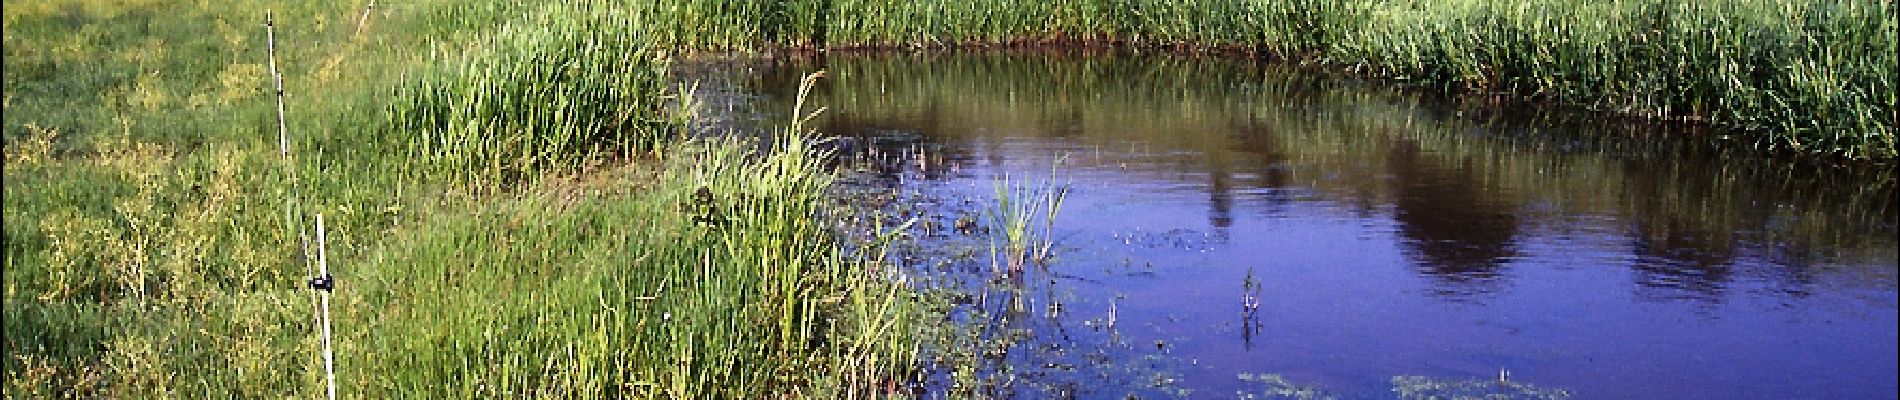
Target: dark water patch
{"points": [[1349, 240]]}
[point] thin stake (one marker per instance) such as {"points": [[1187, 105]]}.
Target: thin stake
{"points": [[293, 209], [292, 199], [364, 18], [323, 263]]}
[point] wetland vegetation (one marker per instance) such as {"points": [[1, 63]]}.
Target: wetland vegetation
{"points": [[526, 199]]}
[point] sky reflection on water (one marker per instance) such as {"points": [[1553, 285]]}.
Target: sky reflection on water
{"points": [[1392, 233]]}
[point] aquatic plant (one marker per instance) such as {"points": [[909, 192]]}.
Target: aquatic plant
{"points": [[1023, 221], [1250, 294], [1276, 386], [1421, 387]]}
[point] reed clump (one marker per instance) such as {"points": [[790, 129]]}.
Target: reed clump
{"points": [[557, 86], [1022, 220]]}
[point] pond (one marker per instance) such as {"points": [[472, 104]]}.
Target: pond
{"points": [[1238, 229]]}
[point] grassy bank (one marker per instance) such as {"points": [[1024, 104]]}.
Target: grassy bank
{"points": [[1807, 77], [511, 214]]}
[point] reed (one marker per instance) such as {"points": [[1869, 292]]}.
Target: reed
{"points": [[559, 85], [1022, 220]]}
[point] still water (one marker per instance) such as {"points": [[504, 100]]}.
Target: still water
{"points": [[1395, 242]]}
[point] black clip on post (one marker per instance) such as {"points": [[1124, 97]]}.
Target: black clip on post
{"points": [[324, 283]]}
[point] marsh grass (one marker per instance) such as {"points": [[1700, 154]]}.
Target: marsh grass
{"points": [[1022, 218], [559, 85], [648, 303]]}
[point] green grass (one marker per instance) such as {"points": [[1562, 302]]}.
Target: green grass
{"points": [[544, 91], [645, 293], [511, 214]]}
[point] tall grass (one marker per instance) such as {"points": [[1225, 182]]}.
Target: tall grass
{"points": [[631, 297], [1809, 77], [549, 89]]}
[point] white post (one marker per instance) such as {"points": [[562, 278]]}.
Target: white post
{"points": [[323, 265], [293, 198], [292, 202], [363, 19]]}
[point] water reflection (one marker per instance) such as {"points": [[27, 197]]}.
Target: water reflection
{"points": [[1328, 184], [1261, 160], [1456, 187], [1460, 235], [1672, 256]]}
